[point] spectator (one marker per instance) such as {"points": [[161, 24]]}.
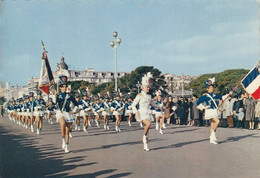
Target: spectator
{"points": [[257, 114], [194, 111], [227, 113], [238, 112], [250, 109]]}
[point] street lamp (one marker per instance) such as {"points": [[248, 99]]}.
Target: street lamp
{"points": [[115, 44], [138, 86]]}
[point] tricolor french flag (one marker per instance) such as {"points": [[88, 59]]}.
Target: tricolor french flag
{"points": [[251, 83]]}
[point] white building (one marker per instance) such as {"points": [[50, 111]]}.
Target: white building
{"points": [[89, 75], [177, 83]]}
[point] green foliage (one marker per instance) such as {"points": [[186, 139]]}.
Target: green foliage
{"points": [[225, 81], [126, 84]]}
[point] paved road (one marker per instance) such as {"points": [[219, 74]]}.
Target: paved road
{"points": [[181, 152]]}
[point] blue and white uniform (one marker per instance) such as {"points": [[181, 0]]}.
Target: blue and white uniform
{"points": [[157, 111], [209, 99], [128, 108], [97, 109], [87, 109], [118, 107], [63, 101], [38, 107], [106, 107], [51, 108]]}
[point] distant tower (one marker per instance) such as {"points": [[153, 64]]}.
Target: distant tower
{"points": [[63, 64]]}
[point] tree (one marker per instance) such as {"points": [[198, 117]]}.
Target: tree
{"points": [[225, 82]]}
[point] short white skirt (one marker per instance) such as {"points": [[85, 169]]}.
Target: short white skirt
{"points": [[52, 112], [127, 112], [158, 114], [117, 113], [38, 113], [145, 114], [67, 116], [106, 113], [211, 113]]}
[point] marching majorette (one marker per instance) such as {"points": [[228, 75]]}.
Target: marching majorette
{"points": [[208, 102], [86, 111], [38, 110], [117, 108], [77, 115], [129, 110], [19, 102], [159, 113], [106, 111], [144, 113], [25, 113], [51, 111], [30, 110], [97, 111], [63, 114], [12, 109]]}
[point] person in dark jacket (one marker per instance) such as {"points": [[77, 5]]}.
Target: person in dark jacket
{"points": [[195, 111]]}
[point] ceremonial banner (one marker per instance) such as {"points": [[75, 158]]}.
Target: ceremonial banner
{"points": [[251, 83], [46, 77]]}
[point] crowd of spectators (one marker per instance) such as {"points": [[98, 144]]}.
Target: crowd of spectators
{"points": [[237, 111]]}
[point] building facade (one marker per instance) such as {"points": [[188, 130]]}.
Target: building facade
{"points": [[176, 83], [88, 75]]}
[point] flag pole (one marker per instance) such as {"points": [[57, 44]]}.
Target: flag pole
{"points": [[222, 102], [44, 57]]}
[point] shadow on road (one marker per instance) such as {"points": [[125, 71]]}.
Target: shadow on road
{"points": [[21, 157], [112, 145], [237, 138], [177, 145]]}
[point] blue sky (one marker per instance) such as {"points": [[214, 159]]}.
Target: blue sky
{"points": [[190, 37]]}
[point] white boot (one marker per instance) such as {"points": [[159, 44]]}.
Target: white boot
{"points": [[157, 126], [213, 133], [144, 139], [213, 141], [141, 124], [66, 148], [129, 123], [160, 131], [32, 130], [212, 138], [89, 123], [85, 129], [78, 128], [63, 143], [26, 126], [70, 135], [119, 130], [163, 126], [105, 126], [38, 131], [116, 128], [51, 122], [146, 147]]}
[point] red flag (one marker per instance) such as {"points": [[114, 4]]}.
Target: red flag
{"points": [[251, 83], [46, 77]]}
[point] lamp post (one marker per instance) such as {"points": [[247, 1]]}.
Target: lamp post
{"points": [[138, 86], [115, 44]]}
